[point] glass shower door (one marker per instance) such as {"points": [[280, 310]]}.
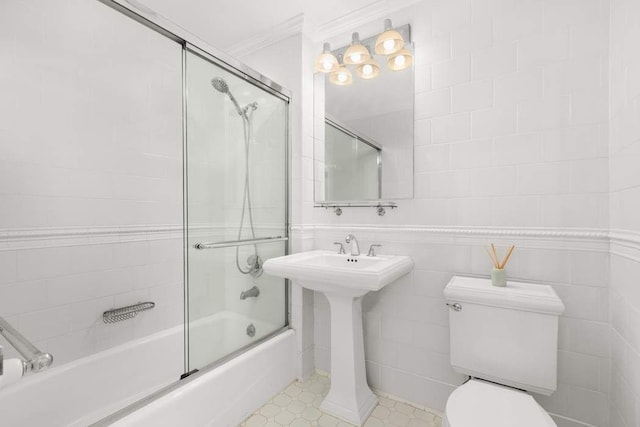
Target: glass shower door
{"points": [[236, 154]]}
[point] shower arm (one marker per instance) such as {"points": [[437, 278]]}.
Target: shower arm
{"points": [[34, 360]]}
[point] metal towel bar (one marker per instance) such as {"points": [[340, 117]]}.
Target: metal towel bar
{"points": [[244, 242], [129, 312], [34, 359]]}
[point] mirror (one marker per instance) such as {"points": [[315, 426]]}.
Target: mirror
{"points": [[363, 142]]}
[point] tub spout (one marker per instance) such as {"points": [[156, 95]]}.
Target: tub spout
{"points": [[250, 293]]}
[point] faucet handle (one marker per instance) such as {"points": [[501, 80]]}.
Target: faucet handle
{"points": [[372, 249], [341, 249]]}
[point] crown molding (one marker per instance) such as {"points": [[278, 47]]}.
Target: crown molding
{"points": [[277, 33], [357, 18]]}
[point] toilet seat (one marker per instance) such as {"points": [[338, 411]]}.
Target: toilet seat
{"points": [[479, 403]]}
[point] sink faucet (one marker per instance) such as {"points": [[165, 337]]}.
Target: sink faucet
{"points": [[355, 249]]}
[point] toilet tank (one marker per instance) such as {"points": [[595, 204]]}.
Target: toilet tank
{"points": [[508, 335]]}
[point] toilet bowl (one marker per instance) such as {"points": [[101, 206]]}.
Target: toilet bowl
{"points": [[479, 403]]}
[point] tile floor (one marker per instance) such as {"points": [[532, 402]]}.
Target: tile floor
{"points": [[298, 406]]}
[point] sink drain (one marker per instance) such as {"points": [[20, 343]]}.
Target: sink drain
{"points": [[251, 330]]}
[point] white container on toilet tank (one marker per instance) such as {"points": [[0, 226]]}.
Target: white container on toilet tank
{"points": [[508, 335]]}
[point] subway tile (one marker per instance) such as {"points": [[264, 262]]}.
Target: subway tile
{"points": [[544, 114], [470, 154], [493, 62], [517, 149], [471, 38], [472, 96], [497, 121], [433, 103], [452, 72], [451, 128], [520, 86], [542, 49]]}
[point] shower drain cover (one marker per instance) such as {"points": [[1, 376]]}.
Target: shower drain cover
{"points": [[251, 330]]}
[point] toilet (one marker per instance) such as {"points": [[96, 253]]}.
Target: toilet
{"points": [[506, 340]]}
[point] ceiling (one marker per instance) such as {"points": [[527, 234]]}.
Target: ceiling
{"points": [[224, 24]]}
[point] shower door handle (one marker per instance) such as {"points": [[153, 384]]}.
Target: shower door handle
{"points": [[243, 242]]}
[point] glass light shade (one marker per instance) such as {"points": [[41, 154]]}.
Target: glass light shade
{"points": [[356, 53], [400, 61], [368, 70], [390, 41], [342, 77], [326, 62]]}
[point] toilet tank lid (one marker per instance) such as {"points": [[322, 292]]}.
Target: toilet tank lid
{"points": [[516, 295]]}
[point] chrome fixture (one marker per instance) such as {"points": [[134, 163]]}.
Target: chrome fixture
{"points": [[250, 293], [254, 262], [251, 330], [455, 306], [393, 45], [244, 242], [355, 248], [341, 248], [372, 249], [34, 360], [337, 206], [128, 312]]}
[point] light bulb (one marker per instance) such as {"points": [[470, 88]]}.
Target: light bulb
{"points": [[399, 60], [388, 45], [356, 57], [342, 77], [367, 69], [327, 65]]}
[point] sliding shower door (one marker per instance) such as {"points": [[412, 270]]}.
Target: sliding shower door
{"points": [[236, 151]]}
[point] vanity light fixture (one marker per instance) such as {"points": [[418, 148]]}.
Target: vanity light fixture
{"points": [[390, 41], [359, 56], [326, 61], [356, 53], [342, 77], [400, 60], [368, 70]]}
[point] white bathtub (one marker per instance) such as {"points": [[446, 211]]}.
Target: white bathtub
{"points": [[82, 392]]}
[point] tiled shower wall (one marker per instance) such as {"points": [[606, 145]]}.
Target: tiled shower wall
{"points": [[90, 175], [511, 134], [625, 213]]}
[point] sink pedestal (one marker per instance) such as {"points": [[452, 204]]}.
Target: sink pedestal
{"points": [[350, 397]]}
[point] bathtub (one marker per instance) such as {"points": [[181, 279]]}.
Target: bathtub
{"points": [[88, 390]]}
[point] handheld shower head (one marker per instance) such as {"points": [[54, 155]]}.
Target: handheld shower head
{"points": [[221, 86]]}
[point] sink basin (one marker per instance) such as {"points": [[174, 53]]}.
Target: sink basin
{"points": [[328, 272], [344, 279]]}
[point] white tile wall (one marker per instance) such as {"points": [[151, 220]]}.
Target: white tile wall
{"points": [[90, 175], [511, 131], [624, 152]]}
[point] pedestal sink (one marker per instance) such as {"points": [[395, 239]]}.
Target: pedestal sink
{"points": [[344, 279]]}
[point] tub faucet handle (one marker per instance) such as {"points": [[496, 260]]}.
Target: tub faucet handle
{"points": [[341, 248], [372, 249]]}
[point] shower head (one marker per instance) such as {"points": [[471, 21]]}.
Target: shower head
{"points": [[221, 86]]}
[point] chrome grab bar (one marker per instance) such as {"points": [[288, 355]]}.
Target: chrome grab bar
{"points": [[244, 242], [34, 359]]}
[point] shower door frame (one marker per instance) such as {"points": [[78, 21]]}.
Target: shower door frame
{"points": [[190, 42], [187, 47]]}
